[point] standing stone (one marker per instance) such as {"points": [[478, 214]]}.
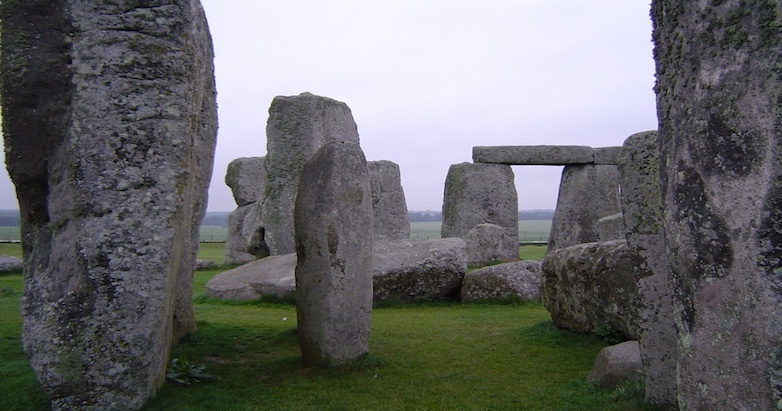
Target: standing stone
{"points": [[718, 102], [246, 176], [611, 227], [388, 202], [334, 246], [639, 169], [109, 121], [481, 193], [298, 126], [587, 193], [236, 248], [485, 244]]}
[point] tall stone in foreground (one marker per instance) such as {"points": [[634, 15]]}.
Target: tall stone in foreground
{"points": [[639, 168], [718, 102], [298, 126], [109, 121], [388, 202], [587, 193], [334, 247], [477, 193]]}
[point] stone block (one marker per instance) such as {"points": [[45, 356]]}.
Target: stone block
{"points": [[388, 202], [518, 279], [617, 365], [246, 176], [533, 155]]}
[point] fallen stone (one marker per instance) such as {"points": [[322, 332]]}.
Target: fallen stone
{"points": [[388, 202], [533, 155], [8, 264], [617, 365], [589, 287], [519, 280], [485, 244], [481, 193], [205, 265], [274, 275], [246, 176], [334, 245]]}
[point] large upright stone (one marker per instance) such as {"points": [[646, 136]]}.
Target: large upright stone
{"points": [[237, 250], [334, 247], [639, 169], [109, 121], [246, 176], [298, 126], [388, 201], [481, 193], [718, 103], [587, 193]]}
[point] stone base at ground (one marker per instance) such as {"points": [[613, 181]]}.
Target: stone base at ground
{"points": [[8, 264], [616, 365], [519, 279]]}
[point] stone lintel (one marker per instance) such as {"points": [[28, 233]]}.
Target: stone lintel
{"points": [[533, 155], [608, 155]]}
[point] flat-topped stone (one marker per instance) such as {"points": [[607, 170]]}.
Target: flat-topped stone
{"points": [[533, 155]]}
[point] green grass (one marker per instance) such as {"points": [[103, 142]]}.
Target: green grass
{"points": [[532, 251]]}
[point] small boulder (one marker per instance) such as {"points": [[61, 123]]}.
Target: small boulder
{"points": [[617, 365], [268, 276], [205, 265], [518, 279], [8, 264], [485, 244]]}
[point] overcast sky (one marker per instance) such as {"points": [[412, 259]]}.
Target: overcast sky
{"points": [[427, 80]]}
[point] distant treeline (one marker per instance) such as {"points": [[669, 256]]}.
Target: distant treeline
{"points": [[10, 218], [413, 216]]}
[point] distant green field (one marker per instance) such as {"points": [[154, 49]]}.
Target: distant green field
{"points": [[213, 234], [10, 234], [529, 230]]}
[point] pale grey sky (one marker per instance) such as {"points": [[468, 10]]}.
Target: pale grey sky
{"points": [[427, 80]]}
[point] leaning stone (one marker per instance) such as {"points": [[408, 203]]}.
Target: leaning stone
{"points": [[8, 264], [485, 244], [533, 155], [297, 127], [481, 193], [236, 248], [273, 275], [334, 247], [590, 287], [410, 271], [608, 155], [611, 227], [718, 99], [246, 176], [617, 365], [388, 202], [519, 280], [642, 209], [586, 194], [109, 119]]}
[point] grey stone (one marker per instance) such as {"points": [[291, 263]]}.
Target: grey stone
{"points": [[481, 193], [388, 202], [519, 279], [236, 247], [642, 207], [205, 265], [608, 155], [8, 263], [617, 365], [611, 227], [588, 287], [587, 193], [533, 155], [109, 121], [334, 247], [297, 127], [274, 275], [246, 176], [410, 271], [719, 137], [485, 244], [253, 232]]}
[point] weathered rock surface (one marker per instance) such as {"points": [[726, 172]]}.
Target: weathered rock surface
{"points": [[616, 365], [298, 127], [388, 202], [246, 176], [591, 286], [334, 248], [236, 246], [533, 155], [519, 279], [608, 155], [639, 169], [274, 275], [205, 265], [720, 139], [409, 271], [587, 193], [109, 122], [611, 227], [8, 263], [485, 244], [481, 193]]}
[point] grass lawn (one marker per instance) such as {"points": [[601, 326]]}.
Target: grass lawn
{"points": [[446, 356]]}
